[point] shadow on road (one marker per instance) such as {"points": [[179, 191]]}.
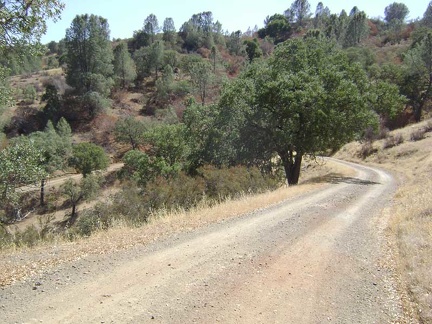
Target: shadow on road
{"points": [[336, 178]]}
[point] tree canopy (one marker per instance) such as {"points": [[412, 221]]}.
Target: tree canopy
{"points": [[89, 55], [305, 99]]}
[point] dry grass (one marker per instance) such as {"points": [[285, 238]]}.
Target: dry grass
{"points": [[16, 264], [410, 226]]}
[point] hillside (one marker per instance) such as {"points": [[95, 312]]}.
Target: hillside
{"points": [[410, 227]]}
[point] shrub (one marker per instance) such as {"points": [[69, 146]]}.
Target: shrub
{"points": [[428, 127], [366, 150], [393, 141], [417, 134], [30, 94]]}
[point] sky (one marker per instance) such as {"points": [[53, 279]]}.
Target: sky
{"points": [[126, 16]]}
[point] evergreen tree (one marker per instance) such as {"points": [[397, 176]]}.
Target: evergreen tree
{"points": [[169, 32], [89, 55], [124, 66], [151, 27], [357, 28], [299, 12], [397, 11], [427, 16]]}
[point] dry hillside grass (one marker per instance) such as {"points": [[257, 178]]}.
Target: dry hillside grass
{"points": [[410, 228], [18, 263]]}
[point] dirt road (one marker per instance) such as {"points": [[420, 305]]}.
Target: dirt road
{"points": [[317, 258]]}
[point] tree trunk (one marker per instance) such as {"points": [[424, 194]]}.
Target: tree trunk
{"points": [[292, 165], [73, 215], [42, 193]]}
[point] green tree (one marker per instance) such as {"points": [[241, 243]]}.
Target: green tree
{"points": [[417, 85], [20, 165], [124, 66], [357, 28], [151, 27], [168, 143], [253, 50], [22, 24], [234, 43], [307, 98], [53, 103], [299, 12], [55, 144], [169, 32], [322, 16], [201, 77], [88, 157], [130, 130], [427, 16], [75, 193], [143, 168], [396, 10], [277, 27], [89, 55]]}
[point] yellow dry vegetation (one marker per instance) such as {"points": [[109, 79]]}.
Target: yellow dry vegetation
{"points": [[410, 226]]}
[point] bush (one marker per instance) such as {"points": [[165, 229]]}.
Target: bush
{"points": [[29, 94], [366, 150], [393, 141], [428, 127], [417, 135], [182, 88]]}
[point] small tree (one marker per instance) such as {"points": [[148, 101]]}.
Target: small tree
{"points": [[53, 103], [88, 157], [124, 67], [20, 165], [397, 11], [201, 78], [56, 146], [129, 130], [417, 84], [78, 192]]}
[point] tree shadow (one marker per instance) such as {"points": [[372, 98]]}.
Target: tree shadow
{"points": [[336, 178]]}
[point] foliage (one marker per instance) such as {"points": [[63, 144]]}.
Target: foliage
{"points": [[396, 10], [142, 168], [131, 131], [20, 165], [151, 27], [89, 55], [77, 192], [88, 157], [168, 143], [148, 59], [200, 31], [252, 49], [53, 103], [29, 93], [202, 78], [95, 103], [304, 100], [427, 16], [356, 30], [277, 27], [169, 32], [417, 84], [298, 13], [124, 67]]}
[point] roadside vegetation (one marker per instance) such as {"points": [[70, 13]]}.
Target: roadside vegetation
{"points": [[198, 116]]}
